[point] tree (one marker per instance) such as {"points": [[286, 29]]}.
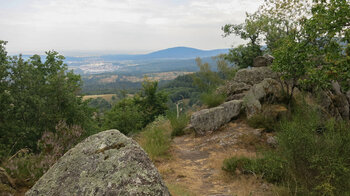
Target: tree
{"points": [[243, 55], [206, 80], [35, 96], [125, 116], [132, 114], [151, 101], [309, 39]]}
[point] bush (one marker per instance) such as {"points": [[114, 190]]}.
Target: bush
{"points": [[268, 118], [27, 167], [212, 99], [155, 139], [178, 124], [270, 167], [317, 152]]}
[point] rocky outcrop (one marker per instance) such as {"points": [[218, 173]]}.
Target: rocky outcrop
{"points": [[107, 163], [234, 90], [267, 89], [244, 80], [254, 75], [208, 120], [263, 61], [336, 105]]}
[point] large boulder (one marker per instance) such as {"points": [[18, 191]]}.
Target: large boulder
{"points": [[207, 120], [254, 75], [267, 89], [234, 90], [107, 163], [335, 104], [263, 61]]}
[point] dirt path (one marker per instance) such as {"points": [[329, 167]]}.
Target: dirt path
{"points": [[196, 162]]}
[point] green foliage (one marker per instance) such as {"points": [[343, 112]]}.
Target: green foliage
{"points": [[27, 167], [243, 55], [156, 139], [126, 116], [309, 40], [270, 167], [34, 97], [151, 101], [263, 121], [206, 79], [311, 156], [178, 124], [316, 152], [268, 118], [224, 70], [130, 115], [212, 98], [101, 104]]}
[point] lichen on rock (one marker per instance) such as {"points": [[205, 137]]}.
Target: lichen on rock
{"points": [[107, 163]]}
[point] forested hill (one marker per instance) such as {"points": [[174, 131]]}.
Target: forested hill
{"points": [[169, 53]]}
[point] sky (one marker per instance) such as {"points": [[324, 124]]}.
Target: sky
{"points": [[118, 26]]}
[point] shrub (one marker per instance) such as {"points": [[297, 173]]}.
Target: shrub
{"points": [[270, 167], [317, 152], [268, 118], [27, 167], [213, 99], [178, 124], [155, 138]]}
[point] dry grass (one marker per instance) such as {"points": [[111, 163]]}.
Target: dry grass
{"points": [[177, 189], [107, 97]]}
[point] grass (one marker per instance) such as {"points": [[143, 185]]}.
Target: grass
{"points": [[178, 190], [270, 167], [212, 99], [155, 139], [178, 124]]}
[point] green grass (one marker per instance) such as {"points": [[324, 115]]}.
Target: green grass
{"points": [[178, 124], [178, 190], [155, 139], [212, 99], [270, 167]]}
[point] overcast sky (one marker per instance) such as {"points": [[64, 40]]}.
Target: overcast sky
{"points": [[118, 26]]}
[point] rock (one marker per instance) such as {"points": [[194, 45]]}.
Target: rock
{"points": [[272, 141], [107, 163], [263, 61], [341, 103], [208, 120], [348, 95], [336, 106], [336, 88], [254, 75], [234, 90], [268, 88]]}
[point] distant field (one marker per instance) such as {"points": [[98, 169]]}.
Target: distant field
{"points": [[107, 97]]}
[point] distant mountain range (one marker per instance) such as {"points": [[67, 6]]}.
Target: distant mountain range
{"points": [[170, 53], [171, 59]]}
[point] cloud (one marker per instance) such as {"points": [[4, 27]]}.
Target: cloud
{"points": [[118, 25]]}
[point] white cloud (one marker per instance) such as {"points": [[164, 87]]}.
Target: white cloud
{"points": [[118, 25]]}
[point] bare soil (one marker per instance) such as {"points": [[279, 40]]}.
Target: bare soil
{"points": [[196, 162]]}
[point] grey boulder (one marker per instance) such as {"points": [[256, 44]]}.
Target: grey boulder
{"points": [[107, 163], [254, 75], [208, 120]]}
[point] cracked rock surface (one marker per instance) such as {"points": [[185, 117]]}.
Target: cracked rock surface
{"points": [[107, 163]]}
